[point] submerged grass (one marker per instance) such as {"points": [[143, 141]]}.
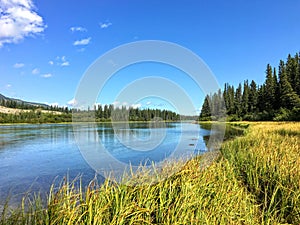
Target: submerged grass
{"points": [[255, 180]]}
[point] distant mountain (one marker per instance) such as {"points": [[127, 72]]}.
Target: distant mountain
{"points": [[3, 97], [21, 102]]}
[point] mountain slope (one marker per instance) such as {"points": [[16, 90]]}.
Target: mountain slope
{"points": [[21, 102]]}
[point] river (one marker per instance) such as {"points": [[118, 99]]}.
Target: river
{"points": [[34, 156]]}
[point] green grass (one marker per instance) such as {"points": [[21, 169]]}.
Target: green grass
{"points": [[267, 161], [255, 180]]}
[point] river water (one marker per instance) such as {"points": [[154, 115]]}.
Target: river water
{"points": [[34, 156]]}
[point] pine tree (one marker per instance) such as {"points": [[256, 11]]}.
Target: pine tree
{"points": [[253, 95], [105, 112], [276, 104], [231, 94], [245, 98], [288, 98], [238, 100], [270, 89], [206, 110], [261, 98], [289, 69], [277, 95], [228, 96], [297, 76]]}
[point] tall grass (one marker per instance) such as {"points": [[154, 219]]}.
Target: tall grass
{"points": [[256, 180], [267, 161]]}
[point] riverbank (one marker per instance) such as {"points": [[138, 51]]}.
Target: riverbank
{"points": [[95, 122], [255, 180]]}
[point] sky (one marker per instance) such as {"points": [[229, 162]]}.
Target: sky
{"points": [[47, 46]]}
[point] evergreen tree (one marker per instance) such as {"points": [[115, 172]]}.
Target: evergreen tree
{"points": [[238, 100], [292, 70], [297, 76], [270, 89], [278, 97], [100, 111], [276, 104], [245, 98], [261, 98], [231, 94], [253, 95], [105, 112], [205, 111], [110, 109], [228, 96], [288, 98]]}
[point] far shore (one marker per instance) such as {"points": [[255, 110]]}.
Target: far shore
{"points": [[97, 122]]}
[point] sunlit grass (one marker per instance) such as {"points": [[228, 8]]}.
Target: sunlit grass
{"points": [[255, 180], [267, 161]]}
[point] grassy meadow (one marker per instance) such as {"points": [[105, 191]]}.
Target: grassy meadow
{"points": [[254, 179]]}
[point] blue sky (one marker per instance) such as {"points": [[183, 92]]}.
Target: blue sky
{"points": [[46, 46]]}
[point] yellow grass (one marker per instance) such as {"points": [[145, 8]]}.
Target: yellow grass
{"points": [[7, 110]]}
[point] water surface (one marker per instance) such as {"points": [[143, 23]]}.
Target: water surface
{"points": [[33, 156]]}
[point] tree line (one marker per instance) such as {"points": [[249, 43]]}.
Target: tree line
{"points": [[278, 98], [106, 113], [35, 117], [101, 113], [98, 113]]}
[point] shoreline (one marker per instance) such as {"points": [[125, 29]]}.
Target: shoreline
{"points": [[95, 122]]}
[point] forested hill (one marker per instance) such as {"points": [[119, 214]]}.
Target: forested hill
{"points": [[278, 98], [21, 104], [17, 103]]}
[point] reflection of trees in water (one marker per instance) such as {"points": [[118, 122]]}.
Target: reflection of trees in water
{"points": [[205, 139], [231, 130], [21, 134], [121, 132]]}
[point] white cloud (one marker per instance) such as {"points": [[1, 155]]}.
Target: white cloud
{"points": [[72, 102], [80, 29], [18, 20], [65, 64], [19, 65], [105, 25], [149, 103], [119, 105], [8, 86], [135, 106], [46, 75], [64, 61], [85, 41], [35, 71], [60, 61]]}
